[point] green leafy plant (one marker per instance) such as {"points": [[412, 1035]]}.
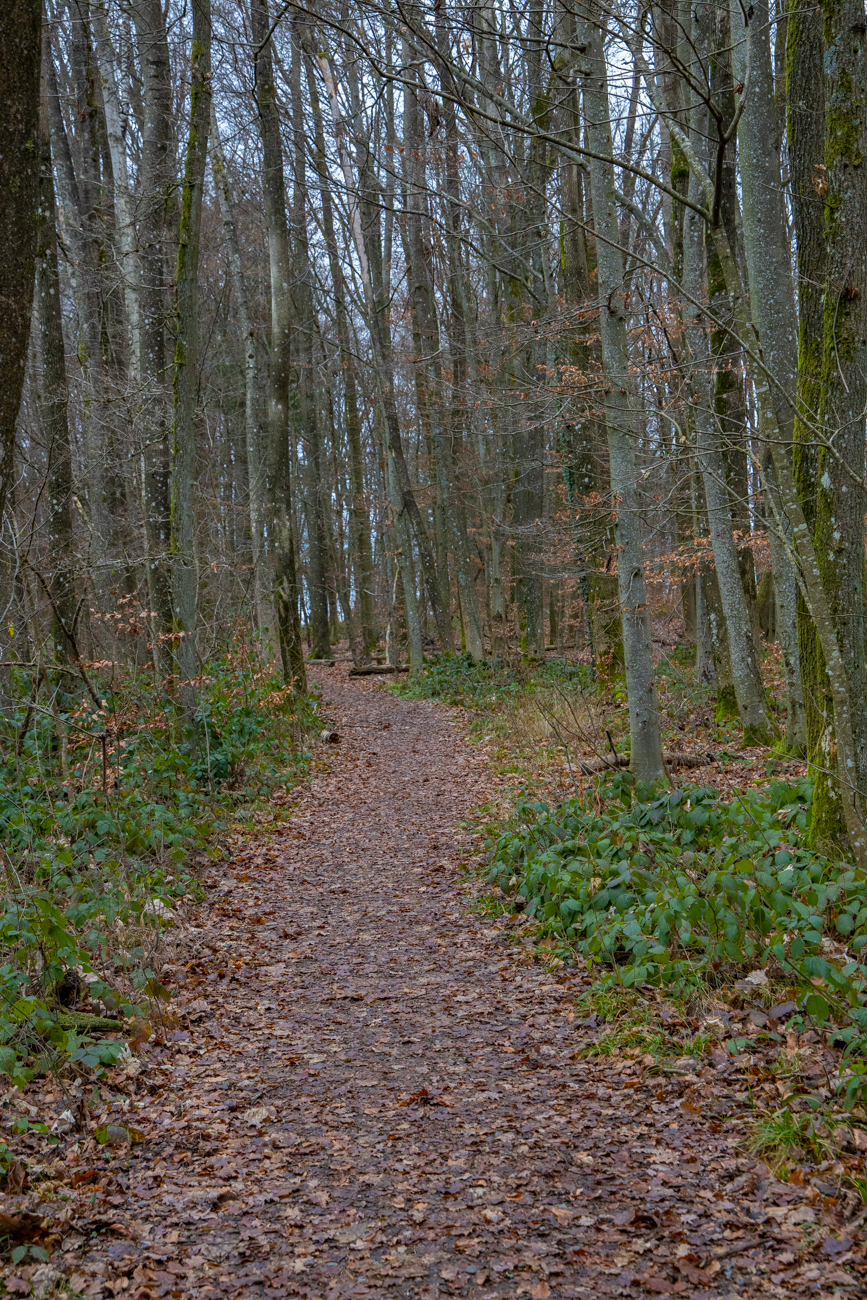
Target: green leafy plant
{"points": [[20, 1253], [97, 840], [681, 889]]}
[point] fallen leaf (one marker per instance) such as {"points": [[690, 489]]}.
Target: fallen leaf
{"points": [[23, 1226], [354, 1231], [662, 1286], [85, 1176], [115, 1135], [16, 1176], [157, 908], [800, 1214], [700, 1276], [663, 1157], [836, 1245], [257, 1115]]}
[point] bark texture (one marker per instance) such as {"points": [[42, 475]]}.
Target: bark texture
{"points": [[20, 57], [772, 302], [280, 522]]}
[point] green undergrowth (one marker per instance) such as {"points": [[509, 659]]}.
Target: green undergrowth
{"points": [[104, 814], [686, 892], [789, 1135], [641, 1039], [458, 680]]}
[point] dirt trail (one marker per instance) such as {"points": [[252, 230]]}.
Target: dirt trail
{"points": [[378, 1099]]}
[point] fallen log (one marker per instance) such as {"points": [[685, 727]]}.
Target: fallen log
{"points": [[369, 670], [595, 765], [320, 663]]}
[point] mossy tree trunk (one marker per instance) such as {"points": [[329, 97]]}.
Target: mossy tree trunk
{"points": [[838, 526], [805, 98], [772, 304]]}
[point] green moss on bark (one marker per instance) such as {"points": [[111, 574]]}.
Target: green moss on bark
{"points": [[726, 706]]}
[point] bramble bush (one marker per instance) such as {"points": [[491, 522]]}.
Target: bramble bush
{"points": [[682, 889]]}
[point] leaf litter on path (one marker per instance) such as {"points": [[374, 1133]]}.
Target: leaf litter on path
{"points": [[375, 1096]]}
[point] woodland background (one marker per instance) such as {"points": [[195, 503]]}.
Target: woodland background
{"points": [[523, 343], [459, 327]]}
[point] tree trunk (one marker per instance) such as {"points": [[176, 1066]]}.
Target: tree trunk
{"points": [[440, 420], [154, 198], [527, 295], [455, 438], [646, 744], [772, 302], [286, 588], [305, 330], [53, 395], [124, 216], [747, 681], [93, 339], [183, 516], [253, 434], [805, 96], [840, 463], [20, 56], [582, 430], [729, 395], [359, 519], [406, 569]]}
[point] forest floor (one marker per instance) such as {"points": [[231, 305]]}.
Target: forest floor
{"points": [[369, 1089]]}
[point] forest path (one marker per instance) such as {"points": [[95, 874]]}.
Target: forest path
{"points": [[379, 1099]]}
